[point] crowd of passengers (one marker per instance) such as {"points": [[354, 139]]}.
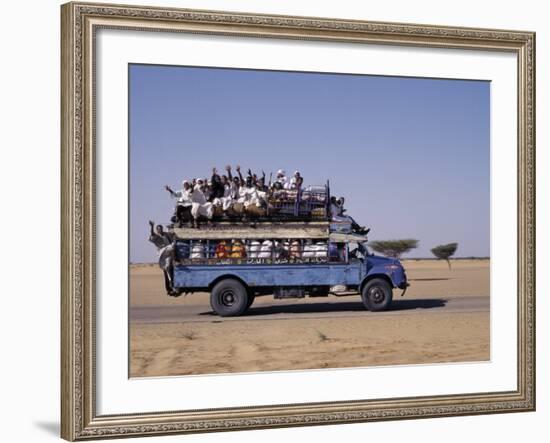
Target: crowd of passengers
{"points": [[234, 195], [231, 192]]}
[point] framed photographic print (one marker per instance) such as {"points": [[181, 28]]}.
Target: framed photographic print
{"points": [[282, 221]]}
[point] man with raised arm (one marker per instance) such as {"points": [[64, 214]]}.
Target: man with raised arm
{"points": [[234, 184], [184, 203], [238, 169], [217, 187], [163, 241]]}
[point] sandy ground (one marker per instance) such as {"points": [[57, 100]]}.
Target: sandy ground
{"points": [[444, 317]]}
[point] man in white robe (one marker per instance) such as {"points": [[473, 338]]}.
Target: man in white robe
{"points": [[201, 207], [281, 178]]}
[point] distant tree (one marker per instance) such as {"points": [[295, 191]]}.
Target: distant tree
{"points": [[394, 248], [443, 252]]}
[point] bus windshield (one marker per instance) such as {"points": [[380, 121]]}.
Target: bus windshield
{"points": [[358, 250]]}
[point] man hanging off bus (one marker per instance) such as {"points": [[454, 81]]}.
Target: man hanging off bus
{"points": [[164, 243]]}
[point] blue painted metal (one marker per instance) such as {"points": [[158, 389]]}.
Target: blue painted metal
{"points": [[354, 273]]}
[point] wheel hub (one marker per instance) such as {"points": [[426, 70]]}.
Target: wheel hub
{"points": [[377, 295], [228, 298]]}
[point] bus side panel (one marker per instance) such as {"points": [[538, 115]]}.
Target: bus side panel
{"points": [[345, 274], [201, 276]]}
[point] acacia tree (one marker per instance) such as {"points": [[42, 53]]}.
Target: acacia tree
{"points": [[394, 248], [443, 252]]}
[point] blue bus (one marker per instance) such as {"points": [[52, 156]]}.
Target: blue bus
{"points": [[237, 263]]}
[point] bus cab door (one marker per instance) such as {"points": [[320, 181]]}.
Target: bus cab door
{"points": [[345, 273]]}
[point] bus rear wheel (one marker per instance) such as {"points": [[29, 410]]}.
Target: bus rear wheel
{"points": [[229, 298], [377, 295]]}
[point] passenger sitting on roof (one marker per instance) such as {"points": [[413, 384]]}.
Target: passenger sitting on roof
{"points": [[260, 183], [281, 178], [182, 212], [217, 187], [234, 184], [241, 179], [277, 186], [207, 189], [248, 194], [281, 190], [184, 195], [296, 181], [225, 200], [262, 189], [201, 207], [337, 211], [225, 181], [254, 177]]}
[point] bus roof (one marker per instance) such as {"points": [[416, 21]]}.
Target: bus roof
{"points": [[256, 231], [338, 237]]}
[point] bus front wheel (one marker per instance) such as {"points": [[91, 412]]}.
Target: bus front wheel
{"points": [[377, 295]]}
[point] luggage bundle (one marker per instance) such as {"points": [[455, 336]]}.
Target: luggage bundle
{"points": [[220, 251], [309, 203], [315, 250]]}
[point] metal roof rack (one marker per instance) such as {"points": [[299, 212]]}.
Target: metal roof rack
{"points": [[256, 231]]}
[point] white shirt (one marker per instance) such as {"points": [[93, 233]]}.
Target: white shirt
{"points": [[248, 194], [283, 181], [198, 196], [233, 191], [227, 190], [183, 196], [293, 183]]}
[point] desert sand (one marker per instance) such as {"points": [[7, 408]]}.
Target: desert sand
{"points": [[443, 317]]}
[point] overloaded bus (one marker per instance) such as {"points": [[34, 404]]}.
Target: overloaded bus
{"points": [[307, 255]]}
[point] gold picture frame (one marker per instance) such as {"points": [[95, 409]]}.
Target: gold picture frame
{"points": [[80, 21]]}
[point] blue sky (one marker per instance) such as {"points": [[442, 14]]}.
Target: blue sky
{"points": [[410, 155]]}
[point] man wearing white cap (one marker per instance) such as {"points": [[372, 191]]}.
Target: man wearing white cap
{"points": [[183, 196], [295, 181], [184, 203], [201, 207], [248, 194], [281, 178]]}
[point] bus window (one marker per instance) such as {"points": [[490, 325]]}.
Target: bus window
{"points": [[355, 250], [337, 252]]}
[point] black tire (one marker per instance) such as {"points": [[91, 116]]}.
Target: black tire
{"points": [[229, 298], [377, 295]]}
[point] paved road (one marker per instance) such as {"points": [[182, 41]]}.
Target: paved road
{"points": [[266, 308]]}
